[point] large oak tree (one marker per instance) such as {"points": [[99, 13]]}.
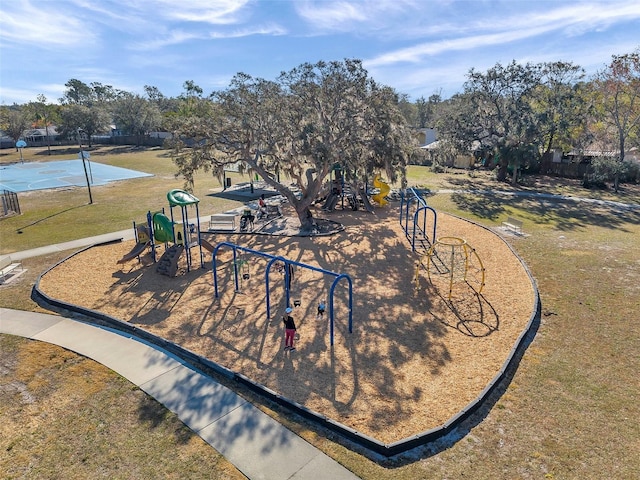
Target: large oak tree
{"points": [[310, 120]]}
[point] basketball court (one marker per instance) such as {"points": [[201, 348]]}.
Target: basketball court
{"points": [[24, 177]]}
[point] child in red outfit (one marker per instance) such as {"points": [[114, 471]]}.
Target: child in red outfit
{"points": [[289, 330]]}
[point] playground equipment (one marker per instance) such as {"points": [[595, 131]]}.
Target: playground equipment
{"points": [[413, 206], [288, 264], [451, 260], [241, 267], [160, 228], [206, 245], [190, 234], [343, 192], [143, 240], [336, 188], [365, 199], [339, 190], [168, 263], [156, 229], [383, 190]]}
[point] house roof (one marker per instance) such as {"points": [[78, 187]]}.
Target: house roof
{"points": [[631, 154], [431, 146], [40, 132], [602, 149], [593, 153]]}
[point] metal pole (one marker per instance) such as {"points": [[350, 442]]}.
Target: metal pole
{"points": [[90, 172], [86, 175]]}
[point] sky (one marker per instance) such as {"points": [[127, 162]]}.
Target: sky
{"points": [[418, 47]]}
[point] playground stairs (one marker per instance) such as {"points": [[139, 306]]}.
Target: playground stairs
{"points": [[168, 263]]}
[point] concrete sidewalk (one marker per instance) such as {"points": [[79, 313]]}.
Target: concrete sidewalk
{"points": [[107, 237], [74, 244], [259, 446]]}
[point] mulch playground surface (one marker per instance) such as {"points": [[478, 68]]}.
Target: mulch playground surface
{"points": [[415, 357]]}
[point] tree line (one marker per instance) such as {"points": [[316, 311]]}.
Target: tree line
{"points": [[514, 114], [320, 116]]}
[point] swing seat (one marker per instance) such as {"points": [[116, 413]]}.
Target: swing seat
{"points": [[246, 276], [297, 303]]}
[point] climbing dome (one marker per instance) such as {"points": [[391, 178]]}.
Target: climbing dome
{"points": [[451, 261]]}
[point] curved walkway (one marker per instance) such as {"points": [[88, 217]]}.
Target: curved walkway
{"points": [[259, 446]]}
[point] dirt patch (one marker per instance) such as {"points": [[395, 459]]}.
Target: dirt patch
{"points": [[415, 357]]}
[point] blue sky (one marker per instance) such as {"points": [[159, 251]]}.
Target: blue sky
{"points": [[418, 47]]}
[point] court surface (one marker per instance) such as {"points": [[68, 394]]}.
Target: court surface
{"points": [[23, 177]]}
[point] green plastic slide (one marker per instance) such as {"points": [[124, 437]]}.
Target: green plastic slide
{"points": [[162, 228]]}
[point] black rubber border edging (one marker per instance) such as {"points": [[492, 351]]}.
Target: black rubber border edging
{"points": [[208, 366]]}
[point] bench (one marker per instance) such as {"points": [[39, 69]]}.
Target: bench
{"points": [[222, 222], [7, 266], [513, 224]]}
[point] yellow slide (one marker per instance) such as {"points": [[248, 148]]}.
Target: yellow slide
{"points": [[384, 190]]}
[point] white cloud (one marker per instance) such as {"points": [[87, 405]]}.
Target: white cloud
{"points": [[418, 52], [177, 37], [582, 18], [503, 30], [577, 16], [172, 38], [219, 12], [345, 15], [424, 80], [156, 24], [271, 29], [331, 15], [41, 25]]}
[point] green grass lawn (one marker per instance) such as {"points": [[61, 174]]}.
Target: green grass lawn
{"points": [[570, 412], [60, 215]]}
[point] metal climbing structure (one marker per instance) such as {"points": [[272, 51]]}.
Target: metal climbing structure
{"points": [[413, 219], [449, 261]]}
